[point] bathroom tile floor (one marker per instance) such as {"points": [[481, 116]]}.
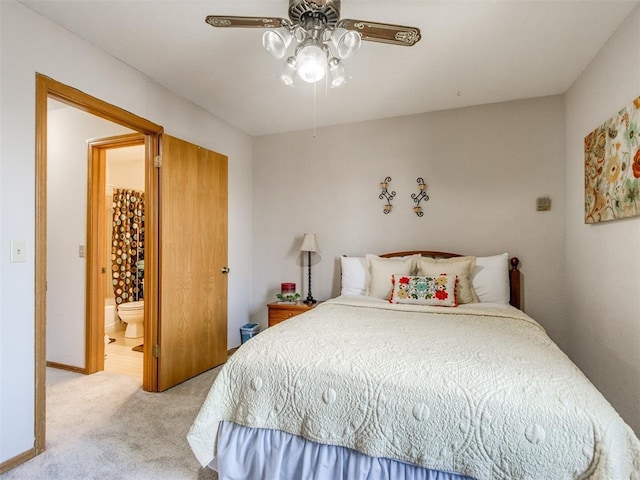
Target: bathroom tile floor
{"points": [[120, 358]]}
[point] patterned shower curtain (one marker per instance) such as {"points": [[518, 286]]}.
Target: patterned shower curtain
{"points": [[127, 245]]}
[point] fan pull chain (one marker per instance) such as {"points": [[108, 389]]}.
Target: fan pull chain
{"points": [[315, 108], [326, 86]]}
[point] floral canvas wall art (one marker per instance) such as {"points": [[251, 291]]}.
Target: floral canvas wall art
{"points": [[612, 167]]}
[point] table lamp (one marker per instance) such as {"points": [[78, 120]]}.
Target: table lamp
{"points": [[309, 245]]}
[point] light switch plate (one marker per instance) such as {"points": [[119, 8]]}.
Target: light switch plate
{"points": [[543, 204], [18, 251]]}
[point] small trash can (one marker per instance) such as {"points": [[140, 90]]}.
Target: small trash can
{"points": [[248, 330]]}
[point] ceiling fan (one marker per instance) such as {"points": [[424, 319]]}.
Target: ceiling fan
{"points": [[316, 25]]}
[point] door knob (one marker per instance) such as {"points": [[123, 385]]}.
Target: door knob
{"points": [[225, 270]]}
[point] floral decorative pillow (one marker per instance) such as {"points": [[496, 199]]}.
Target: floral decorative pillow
{"points": [[424, 290]]}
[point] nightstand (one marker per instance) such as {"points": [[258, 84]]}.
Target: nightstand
{"points": [[279, 312]]}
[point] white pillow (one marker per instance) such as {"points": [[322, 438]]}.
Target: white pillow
{"points": [[355, 276], [462, 267], [381, 269], [490, 279]]}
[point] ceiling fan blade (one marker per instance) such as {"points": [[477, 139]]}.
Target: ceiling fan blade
{"points": [[245, 22], [383, 32]]}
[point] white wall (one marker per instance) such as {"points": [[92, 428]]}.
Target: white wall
{"points": [[68, 130], [32, 44], [484, 166], [125, 168], [603, 260]]}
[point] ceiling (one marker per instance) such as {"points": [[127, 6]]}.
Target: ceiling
{"points": [[471, 53]]}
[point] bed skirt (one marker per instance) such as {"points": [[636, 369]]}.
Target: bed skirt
{"points": [[242, 455]]}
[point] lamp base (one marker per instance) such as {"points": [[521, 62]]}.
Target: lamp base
{"points": [[310, 301]]}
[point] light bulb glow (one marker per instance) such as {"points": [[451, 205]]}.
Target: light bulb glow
{"points": [[311, 63]]}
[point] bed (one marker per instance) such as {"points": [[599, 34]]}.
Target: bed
{"points": [[423, 368]]}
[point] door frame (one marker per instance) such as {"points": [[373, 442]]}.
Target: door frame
{"points": [[97, 271], [48, 88]]}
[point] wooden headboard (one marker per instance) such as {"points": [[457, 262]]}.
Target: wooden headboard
{"points": [[514, 273]]}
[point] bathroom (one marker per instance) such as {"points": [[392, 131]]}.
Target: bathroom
{"points": [[124, 257]]}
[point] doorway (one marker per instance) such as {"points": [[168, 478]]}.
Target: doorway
{"points": [[187, 327], [117, 237], [47, 88]]}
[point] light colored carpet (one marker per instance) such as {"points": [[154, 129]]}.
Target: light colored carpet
{"points": [[103, 426]]}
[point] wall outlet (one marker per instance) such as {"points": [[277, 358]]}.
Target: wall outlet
{"points": [[18, 251]]}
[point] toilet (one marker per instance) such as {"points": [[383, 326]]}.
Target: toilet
{"points": [[132, 313]]}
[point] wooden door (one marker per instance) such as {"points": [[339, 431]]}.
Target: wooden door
{"points": [[192, 317]]}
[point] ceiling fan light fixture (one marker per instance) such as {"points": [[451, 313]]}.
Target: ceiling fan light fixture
{"points": [[288, 72], [323, 40], [311, 62], [276, 41], [337, 72], [347, 42]]}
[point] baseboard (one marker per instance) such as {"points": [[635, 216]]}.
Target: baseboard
{"points": [[70, 368], [17, 460]]}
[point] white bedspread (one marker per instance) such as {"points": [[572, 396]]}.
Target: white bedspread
{"points": [[478, 391]]}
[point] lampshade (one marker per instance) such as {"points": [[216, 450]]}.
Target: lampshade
{"points": [[311, 62], [309, 243], [288, 71], [347, 42], [277, 41], [337, 72]]}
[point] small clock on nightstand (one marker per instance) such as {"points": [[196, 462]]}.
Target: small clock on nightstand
{"points": [[279, 312]]}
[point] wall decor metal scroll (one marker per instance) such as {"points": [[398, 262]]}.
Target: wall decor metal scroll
{"points": [[386, 195], [419, 197]]}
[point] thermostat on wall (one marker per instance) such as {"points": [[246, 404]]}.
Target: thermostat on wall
{"points": [[543, 204]]}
